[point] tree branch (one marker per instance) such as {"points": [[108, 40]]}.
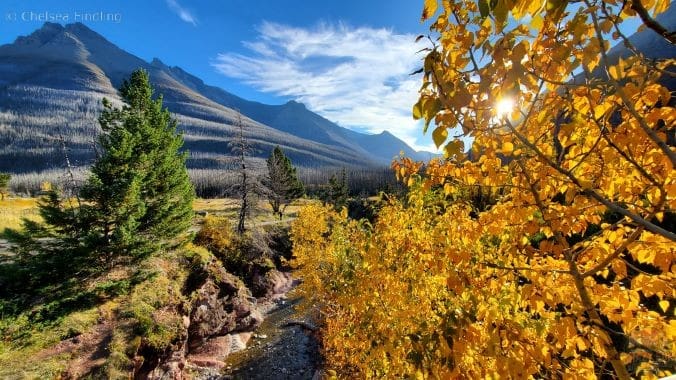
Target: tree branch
{"points": [[651, 23], [629, 105], [593, 194]]}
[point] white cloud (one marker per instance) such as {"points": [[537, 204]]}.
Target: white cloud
{"points": [[183, 13], [357, 77]]}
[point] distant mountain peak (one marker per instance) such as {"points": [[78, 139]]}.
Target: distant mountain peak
{"points": [[158, 63], [78, 26], [41, 36], [295, 104]]}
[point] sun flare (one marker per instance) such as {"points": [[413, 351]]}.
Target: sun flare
{"points": [[504, 107]]}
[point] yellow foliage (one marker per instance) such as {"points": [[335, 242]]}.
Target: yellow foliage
{"points": [[216, 234], [547, 255]]}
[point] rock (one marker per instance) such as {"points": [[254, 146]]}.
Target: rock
{"points": [[222, 306], [250, 322], [239, 341], [273, 284], [217, 347], [206, 362], [171, 369]]}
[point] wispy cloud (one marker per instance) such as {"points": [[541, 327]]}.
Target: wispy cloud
{"points": [[183, 13], [357, 77]]}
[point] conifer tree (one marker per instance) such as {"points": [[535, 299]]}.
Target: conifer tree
{"points": [[4, 184], [281, 181], [138, 196], [338, 190]]}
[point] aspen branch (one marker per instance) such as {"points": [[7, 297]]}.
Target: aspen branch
{"points": [[629, 105], [651, 23], [592, 193]]}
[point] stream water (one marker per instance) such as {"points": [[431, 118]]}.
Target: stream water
{"points": [[277, 351]]}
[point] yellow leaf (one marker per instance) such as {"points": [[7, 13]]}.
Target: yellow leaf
{"points": [[453, 148], [417, 110], [439, 135], [429, 9], [601, 110], [448, 189], [537, 22], [664, 305], [507, 148]]}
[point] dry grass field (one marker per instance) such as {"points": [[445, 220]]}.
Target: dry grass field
{"points": [[13, 210]]}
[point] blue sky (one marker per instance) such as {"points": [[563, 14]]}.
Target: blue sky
{"points": [[347, 60], [362, 83]]}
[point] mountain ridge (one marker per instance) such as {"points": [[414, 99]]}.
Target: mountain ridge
{"points": [[57, 65]]}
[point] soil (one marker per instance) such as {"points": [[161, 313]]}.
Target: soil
{"points": [[89, 350]]}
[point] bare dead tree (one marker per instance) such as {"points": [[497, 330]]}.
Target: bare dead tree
{"points": [[248, 185], [69, 170]]}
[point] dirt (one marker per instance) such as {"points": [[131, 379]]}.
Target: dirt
{"points": [[278, 350], [88, 350]]}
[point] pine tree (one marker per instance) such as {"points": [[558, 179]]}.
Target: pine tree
{"points": [[4, 184], [338, 190], [281, 182], [138, 197]]}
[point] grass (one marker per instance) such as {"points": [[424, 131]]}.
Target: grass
{"points": [[229, 207], [13, 210], [21, 358], [146, 310]]}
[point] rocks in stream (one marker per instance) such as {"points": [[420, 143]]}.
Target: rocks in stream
{"points": [[222, 320], [273, 284], [223, 305]]}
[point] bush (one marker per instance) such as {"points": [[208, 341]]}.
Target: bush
{"points": [[218, 237]]}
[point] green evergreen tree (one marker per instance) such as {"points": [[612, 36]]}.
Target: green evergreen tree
{"points": [[4, 184], [338, 191], [138, 196], [281, 181]]}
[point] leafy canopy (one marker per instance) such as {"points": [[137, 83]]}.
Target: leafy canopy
{"points": [[547, 249]]}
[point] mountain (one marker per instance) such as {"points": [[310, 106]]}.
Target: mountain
{"points": [[52, 83], [296, 119]]}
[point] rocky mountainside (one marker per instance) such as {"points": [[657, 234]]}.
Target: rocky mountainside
{"points": [[52, 83]]}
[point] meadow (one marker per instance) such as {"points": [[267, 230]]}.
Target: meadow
{"points": [[14, 209]]}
